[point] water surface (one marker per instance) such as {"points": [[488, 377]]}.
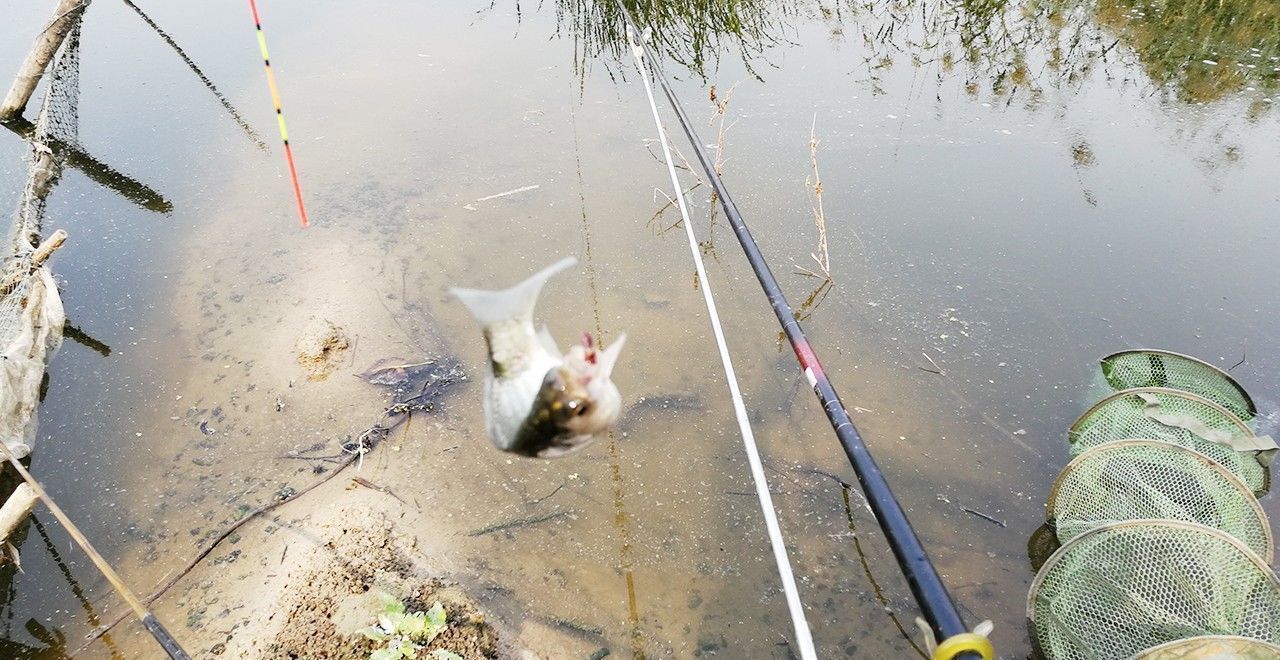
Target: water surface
{"points": [[1011, 190]]}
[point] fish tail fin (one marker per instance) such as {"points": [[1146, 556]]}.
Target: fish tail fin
{"points": [[609, 356], [490, 307]]}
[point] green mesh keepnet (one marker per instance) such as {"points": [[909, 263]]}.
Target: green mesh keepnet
{"points": [[1121, 588], [1180, 418], [1152, 368], [1212, 647], [1147, 479]]}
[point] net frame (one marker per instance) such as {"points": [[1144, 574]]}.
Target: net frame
{"points": [[1153, 463], [1242, 648], [1246, 465], [1229, 393], [1108, 621]]}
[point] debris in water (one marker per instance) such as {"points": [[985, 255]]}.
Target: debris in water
{"points": [[509, 192], [417, 383], [525, 521]]}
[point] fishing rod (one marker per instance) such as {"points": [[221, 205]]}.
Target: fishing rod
{"points": [[773, 529], [275, 98], [926, 585], [149, 621]]}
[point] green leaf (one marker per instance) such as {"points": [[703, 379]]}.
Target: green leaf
{"points": [[373, 632], [386, 654], [390, 604], [438, 618], [412, 625], [441, 654]]}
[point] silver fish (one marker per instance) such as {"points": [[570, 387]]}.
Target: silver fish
{"points": [[537, 401]]}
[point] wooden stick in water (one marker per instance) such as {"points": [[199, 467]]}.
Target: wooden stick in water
{"points": [[148, 619], [42, 51], [41, 255]]}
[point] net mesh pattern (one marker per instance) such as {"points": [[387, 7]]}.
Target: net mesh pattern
{"points": [[1133, 414], [1143, 479], [1150, 368], [57, 124], [31, 312], [1121, 588], [1212, 647]]}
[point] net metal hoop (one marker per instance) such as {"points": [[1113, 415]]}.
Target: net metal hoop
{"points": [[1179, 649], [1263, 543], [1241, 404], [1247, 559], [1255, 474]]}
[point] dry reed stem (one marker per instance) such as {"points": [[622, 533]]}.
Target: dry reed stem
{"points": [[822, 257]]}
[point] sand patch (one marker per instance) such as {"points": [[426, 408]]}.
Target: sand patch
{"points": [[320, 348]]}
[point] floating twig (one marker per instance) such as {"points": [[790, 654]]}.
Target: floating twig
{"points": [[509, 192], [936, 369]]}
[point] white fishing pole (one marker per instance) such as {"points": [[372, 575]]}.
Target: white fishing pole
{"points": [[804, 638]]}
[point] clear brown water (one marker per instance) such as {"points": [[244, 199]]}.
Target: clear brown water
{"points": [[1014, 227]]}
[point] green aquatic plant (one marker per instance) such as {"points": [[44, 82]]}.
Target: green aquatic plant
{"points": [[405, 633]]}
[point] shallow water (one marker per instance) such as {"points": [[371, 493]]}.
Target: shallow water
{"points": [[1010, 219]]}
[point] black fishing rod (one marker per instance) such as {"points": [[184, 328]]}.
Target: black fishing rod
{"points": [[926, 585]]}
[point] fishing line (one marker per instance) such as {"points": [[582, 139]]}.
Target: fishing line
{"points": [[621, 518], [149, 621], [199, 74], [922, 577], [804, 638], [275, 98]]}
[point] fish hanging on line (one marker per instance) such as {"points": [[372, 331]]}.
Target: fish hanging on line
{"points": [[538, 402]]}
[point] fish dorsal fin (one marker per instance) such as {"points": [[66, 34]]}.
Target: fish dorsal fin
{"points": [[491, 307], [548, 342], [609, 356]]}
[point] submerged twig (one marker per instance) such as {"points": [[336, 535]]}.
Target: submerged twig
{"points": [[553, 492], [984, 516], [381, 489], [371, 435], [525, 521]]}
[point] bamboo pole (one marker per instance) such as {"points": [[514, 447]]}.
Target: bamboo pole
{"points": [[33, 68], [16, 510]]}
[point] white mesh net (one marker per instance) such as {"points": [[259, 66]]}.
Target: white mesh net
{"points": [[31, 313], [1146, 479], [58, 124]]}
